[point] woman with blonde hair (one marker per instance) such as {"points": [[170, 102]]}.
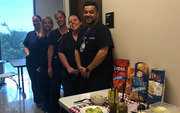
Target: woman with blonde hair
{"points": [[48, 25], [42, 64], [54, 63]]}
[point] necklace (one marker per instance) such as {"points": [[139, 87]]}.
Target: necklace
{"points": [[63, 30]]}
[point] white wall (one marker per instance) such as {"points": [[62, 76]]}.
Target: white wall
{"points": [[48, 8], [149, 31], [145, 30]]}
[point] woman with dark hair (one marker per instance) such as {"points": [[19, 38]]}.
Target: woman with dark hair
{"points": [[70, 73], [30, 46]]}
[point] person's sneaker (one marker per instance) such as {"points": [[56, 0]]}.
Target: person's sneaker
{"points": [[45, 111], [38, 105]]}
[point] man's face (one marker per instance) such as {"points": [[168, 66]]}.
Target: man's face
{"points": [[90, 15]]}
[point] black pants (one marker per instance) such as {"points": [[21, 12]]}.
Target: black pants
{"points": [[34, 83], [44, 88], [71, 83], [55, 87], [96, 81]]}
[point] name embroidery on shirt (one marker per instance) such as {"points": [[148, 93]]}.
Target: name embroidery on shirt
{"points": [[91, 38]]}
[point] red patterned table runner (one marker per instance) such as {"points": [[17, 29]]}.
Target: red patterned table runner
{"points": [[76, 109]]}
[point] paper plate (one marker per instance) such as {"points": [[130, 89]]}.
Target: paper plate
{"points": [[104, 110]]}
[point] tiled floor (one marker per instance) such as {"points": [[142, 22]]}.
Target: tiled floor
{"points": [[11, 100]]}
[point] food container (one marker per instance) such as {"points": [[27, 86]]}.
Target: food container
{"points": [[98, 98], [176, 110], [161, 107]]}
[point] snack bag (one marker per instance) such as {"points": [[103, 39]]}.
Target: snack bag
{"points": [[156, 86], [120, 73], [140, 82], [130, 77]]}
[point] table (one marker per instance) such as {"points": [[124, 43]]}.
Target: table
{"points": [[8, 75], [19, 64], [68, 102]]}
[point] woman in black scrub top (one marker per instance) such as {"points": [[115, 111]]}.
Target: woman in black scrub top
{"points": [[42, 64], [54, 63], [70, 73], [30, 46]]}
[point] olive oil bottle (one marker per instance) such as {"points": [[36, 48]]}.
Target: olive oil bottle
{"points": [[112, 99], [122, 106]]}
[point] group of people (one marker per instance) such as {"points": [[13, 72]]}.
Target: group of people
{"points": [[78, 58]]}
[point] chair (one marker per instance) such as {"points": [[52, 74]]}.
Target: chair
{"points": [[8, 75]]}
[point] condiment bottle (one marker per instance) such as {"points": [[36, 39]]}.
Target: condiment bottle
{"points": [[122, 106], [141, 108], [112, 95], [112, 99]]}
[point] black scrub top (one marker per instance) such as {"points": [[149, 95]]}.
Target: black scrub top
{"points": [[30, 42], [67, 47], [54, 39], [41, 53]]}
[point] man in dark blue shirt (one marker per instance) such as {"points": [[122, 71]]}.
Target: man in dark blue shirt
{"points": [[94, 52]]}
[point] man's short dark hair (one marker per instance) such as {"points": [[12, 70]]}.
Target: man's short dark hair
{"points": [[91, 3]]}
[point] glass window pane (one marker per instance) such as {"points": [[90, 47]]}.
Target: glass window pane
{"points": [[15, 22]]}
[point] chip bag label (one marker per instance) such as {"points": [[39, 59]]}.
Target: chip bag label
{"points": [[140, 82], [156, 86], [120, 73], [130, 76]]}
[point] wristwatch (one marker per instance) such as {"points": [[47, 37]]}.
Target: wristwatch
{"points": [[87, 69]]}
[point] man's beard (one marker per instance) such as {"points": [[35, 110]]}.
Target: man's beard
{"points": [[90, 23]]}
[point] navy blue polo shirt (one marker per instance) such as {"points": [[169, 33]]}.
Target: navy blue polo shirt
{"points": [[89, 43]]}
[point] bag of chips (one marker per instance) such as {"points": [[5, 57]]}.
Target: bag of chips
{"points": [[120, 73], [140, 82], [156, 86], [130, 77]]}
